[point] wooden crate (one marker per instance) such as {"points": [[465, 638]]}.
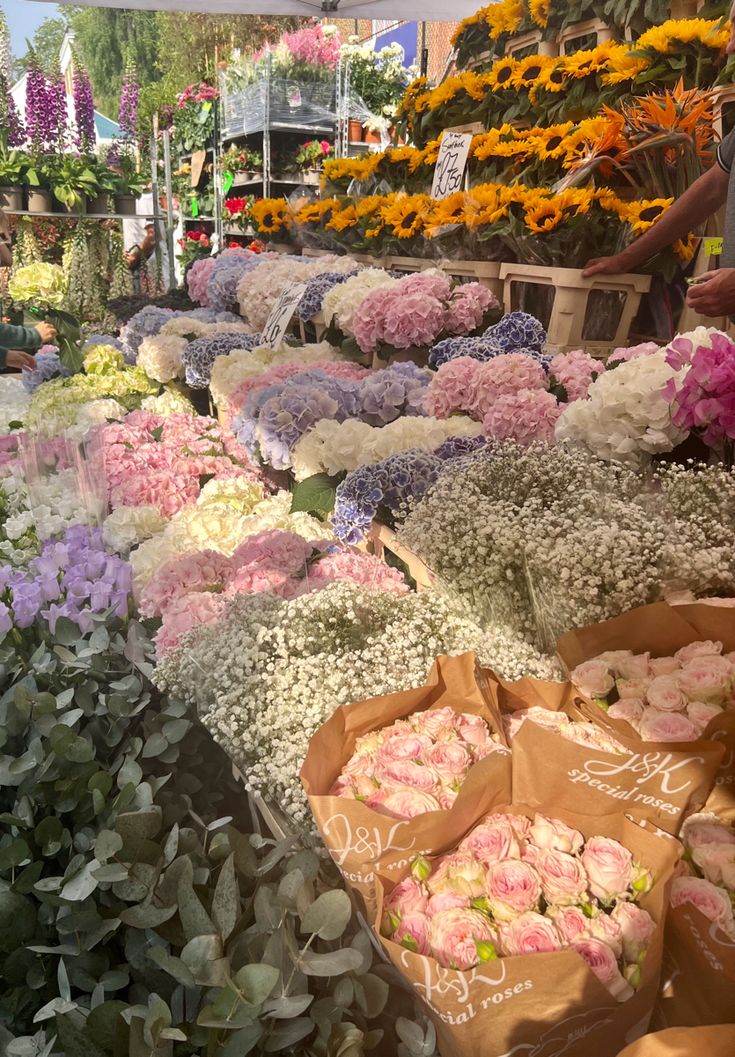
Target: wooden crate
{"points": [[593, 26], [571, 295], [532, 39], [382, 539]]}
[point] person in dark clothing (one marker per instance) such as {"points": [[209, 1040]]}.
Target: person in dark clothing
{"points": [[17, 344]]}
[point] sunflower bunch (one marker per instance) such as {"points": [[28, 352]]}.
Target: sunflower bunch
{"points": [[561, 229], [312, 221], [271, 216], [405, 219], [691, 50], [576, 85], [489, 28], [338, 173]]}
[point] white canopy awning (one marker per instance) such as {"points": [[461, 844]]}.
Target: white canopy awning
{"points": [[410, 10]]}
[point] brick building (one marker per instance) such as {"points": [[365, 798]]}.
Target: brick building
{"points": [[434, 36]]}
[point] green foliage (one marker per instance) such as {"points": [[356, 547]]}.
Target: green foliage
{"points": [[45, 45], [315, 495]]}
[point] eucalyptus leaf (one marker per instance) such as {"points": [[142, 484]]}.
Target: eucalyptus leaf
{"points": [[106, 845], [203, 957], [255, 982], [73, 1040], [328, 915], [173, 966], [242, 1042], [333, 963], [226, 901], [146, 917], [82, 884], [288, 1006]]}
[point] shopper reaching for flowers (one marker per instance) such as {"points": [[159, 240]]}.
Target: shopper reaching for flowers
{"points": [[713, 294]]}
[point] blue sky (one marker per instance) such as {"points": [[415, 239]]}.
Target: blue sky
{"points": [[23, 18]]}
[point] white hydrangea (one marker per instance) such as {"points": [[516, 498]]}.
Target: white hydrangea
{"points": [[169, 402], [160, 357], [625, 416], [260, 288], [127, 527], [13, 401], [63, 498], [341, 302], [338, 447]]}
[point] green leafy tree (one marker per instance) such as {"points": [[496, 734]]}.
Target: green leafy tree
{"points": [[45, 45]]}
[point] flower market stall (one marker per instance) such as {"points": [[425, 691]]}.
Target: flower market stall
{"points": [[367, 649]]}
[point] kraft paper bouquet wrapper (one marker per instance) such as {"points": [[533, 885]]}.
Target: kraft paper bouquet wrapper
{"points": [[715, 1041], [544, 1005], [658, 784], [358, 837]]}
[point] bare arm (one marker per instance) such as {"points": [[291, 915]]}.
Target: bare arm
{"points": [[699, 202]]}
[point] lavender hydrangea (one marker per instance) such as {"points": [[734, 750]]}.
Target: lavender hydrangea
{"points": [[83, 111], [457, 447], [224, 277], [73, 577], [199, 355], [517, 331], [450, 348], [316, 288], [48, 366], [285, 417], [397, 390], [144, 324]]}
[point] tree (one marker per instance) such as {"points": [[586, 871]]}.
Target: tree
{"points": [[45, 45]]}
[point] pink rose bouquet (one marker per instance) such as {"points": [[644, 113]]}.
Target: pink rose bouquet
{"points": [[417, 764], [662, 698], [517, 886], [709, 885]]}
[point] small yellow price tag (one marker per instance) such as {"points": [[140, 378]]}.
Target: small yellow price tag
{"points": [[712, 246]]}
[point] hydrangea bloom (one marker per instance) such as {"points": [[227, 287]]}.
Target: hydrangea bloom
{"points": [[342, 304], [199, 355], [286, 416], [161, 357], [48, 365], [410, 313], [517, 330], [634, 352], [523, 415], [505, 374], [316, 289], [452, 387], [228, 269], [703, 396], [144, 324], [197, 279], [467, 307], [452, 348], [576, 371], [397, 390]]}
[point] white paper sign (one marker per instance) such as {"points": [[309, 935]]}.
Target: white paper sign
{"points": [[280, 316], [450, 165]]}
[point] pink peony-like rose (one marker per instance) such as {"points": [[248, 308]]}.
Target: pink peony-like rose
{"points": [[412, 932], [404, 772], [487, 749], [530, 854], [407, 897], [570, 922], [609, 868], [449, 761], [713, 860], [666, 726], [446, 901], [602, 927], [377, 799], [664, 665], [636, 667], [603, 963], [454, 935], [633, 687], [512, 888], [525, 416], [563, 878], [694, 650], [471, 728], [531, 933], [446, 798], [629, 709], [492, 842], [593, 678], [404, 747], [706, 828], [434, 722], [551, 833], [708, 679], [710, 900], [613, 658], [665, 695], [701, 714], [407, 803], [636, 926], [459, 872]]}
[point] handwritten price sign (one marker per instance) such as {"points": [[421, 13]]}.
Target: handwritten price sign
{"points": [[281, 315], [450, 165]]}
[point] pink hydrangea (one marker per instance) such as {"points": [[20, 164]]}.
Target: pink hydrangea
{"points": [[185, 613], [197, 280], [349, 372], [576, 371], [183, 575], [452, 388], [505, 374], [431, 283], [524, 416], [363, 569], [704, 398], [467, 308], [284, 552], [646, 348], [399, 318]]}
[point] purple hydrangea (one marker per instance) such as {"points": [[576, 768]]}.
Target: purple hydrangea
{"points": [[516, 332], [144, 324], [48, 366], [225, 275], [386, 488], [451, 348], [199, 355], [457, 447], [316, 288], [394, 391], [284, 419]]}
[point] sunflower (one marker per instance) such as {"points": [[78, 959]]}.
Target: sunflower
{"points": [[667, 38], [610, 202], [427, 156], [528, 71], [501, 75], [543, 218], [485, 205], [406, 215], [575, 201], [539, 11], [554, 77], [483, 146], [643, 215], [317, 212], [342, 218], [550, 143], [583, 63], [270, 215], [622, 66], [445, 212], [685, 249]]}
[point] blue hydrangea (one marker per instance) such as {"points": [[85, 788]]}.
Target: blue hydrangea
{"points": [[48, 365], [227, 272], [457, 447], [144, 324], [451, 348], [285, 417], [199, 355], [516, 332], [316, 288], [392, 392]]}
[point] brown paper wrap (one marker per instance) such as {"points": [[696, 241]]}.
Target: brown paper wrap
{"points": [[716, 1041], [356, 835], [543, 1005], [698, 983]]}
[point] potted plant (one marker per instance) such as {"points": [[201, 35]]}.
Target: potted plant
{"points": [[106, 185], [13, 165], [311, 155], [73, 180], [129, 184]]}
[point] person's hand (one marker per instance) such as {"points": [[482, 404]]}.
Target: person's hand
{"points": [[714, 293], [19, 360], [616, 265], [47, 332]]}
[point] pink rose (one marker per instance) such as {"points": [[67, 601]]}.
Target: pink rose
{"points": [[701, 714], [593, 678], [377, 799], [602, 927], [434, 722], [481, 752], [705, 828], [454, 936], [512, 889], [412, 932], [635, 667], [368, 744], [446, 901], [710, 900], [361, 764], [551, 833], [698, 649], [563, 880], [614, 658], [666, 726], [530, 933], [634, 687], [604, 965], [636, 926], [712, 858], [449, 761], [405, 772], [343, 787], [707, 679], [609, 868], [460, 872], [665, 695], [407, 803], [664, 665], [570, 922], [472, 729], [404, 747], [408, 897], [492, 842], [446, 798], [530, 854], [629, 709]]}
